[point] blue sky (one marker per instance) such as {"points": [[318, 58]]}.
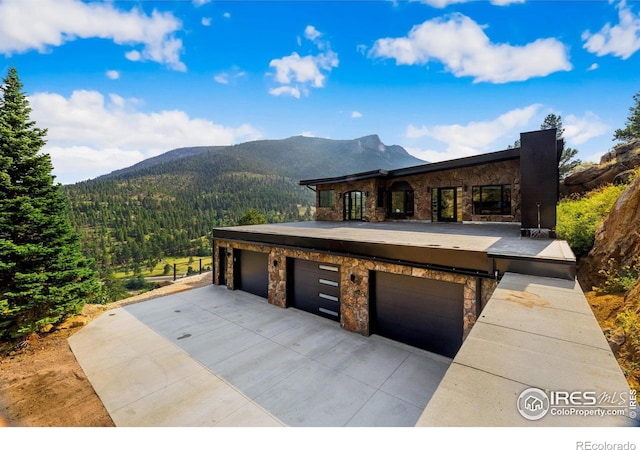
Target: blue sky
{"points": [[116, 82]]}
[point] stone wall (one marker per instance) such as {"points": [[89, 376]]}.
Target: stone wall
{"points": [[504, 172], [354, 281]]}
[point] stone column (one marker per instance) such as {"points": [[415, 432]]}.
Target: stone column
{"points": [[354, 296], [231, 254], [277, 278], [469, 314]]}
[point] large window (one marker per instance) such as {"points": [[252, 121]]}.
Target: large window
{"points": [[401, 199], [326, 198], [492, 200]]}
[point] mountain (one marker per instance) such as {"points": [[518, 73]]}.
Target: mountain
{"points": [[168, 204], [297, 157]]}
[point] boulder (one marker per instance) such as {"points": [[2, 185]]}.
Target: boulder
{"points": [[617, 237], [632, 297], [621, 160], [616, 340]]}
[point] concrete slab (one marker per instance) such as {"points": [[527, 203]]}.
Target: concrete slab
{"points": [[369, 360], [315, 395], [155, 384], [509, 353], [533, 333], [513, 312], [214, 357], [416, 380], [259, 368], [385, 410]]}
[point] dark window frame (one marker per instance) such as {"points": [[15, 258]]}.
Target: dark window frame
{"points": [[484, 205], [403, 190], [326, 198], [380, 199]]}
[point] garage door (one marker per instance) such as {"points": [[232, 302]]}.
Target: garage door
{"points": [[254, 275], [315, 288], [423, 313]]}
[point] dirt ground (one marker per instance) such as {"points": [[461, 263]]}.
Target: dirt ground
{"points": [[42, 384], [606, 308]]}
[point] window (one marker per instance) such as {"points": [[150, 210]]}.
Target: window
{"points": [[380, 203], [492, 199], [401, 199], [326, 198]]}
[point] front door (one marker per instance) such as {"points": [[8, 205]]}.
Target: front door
{"points": [[353, 205], [447, 205]]}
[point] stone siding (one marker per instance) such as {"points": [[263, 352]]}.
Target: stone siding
{"points": [[504, 172], [354, 281]]}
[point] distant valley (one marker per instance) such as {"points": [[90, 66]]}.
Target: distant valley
{"points": [[167, 205]]}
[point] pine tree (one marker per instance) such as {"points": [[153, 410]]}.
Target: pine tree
{"points": [[567, 161], [43, 276], [632, 129]]}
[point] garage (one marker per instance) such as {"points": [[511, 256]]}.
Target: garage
{"points": [[315, 287], [253, 276], [423, 313]]}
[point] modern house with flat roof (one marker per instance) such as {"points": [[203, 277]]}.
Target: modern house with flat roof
{"points": [[411, 254], [518, 185]]}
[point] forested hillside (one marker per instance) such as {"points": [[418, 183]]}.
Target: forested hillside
{"points": [[168, 205]]}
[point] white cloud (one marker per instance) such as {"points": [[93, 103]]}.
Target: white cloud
{"points": [[27, 25], [230, 76], [445, 3], [472, 138], [593, 66], [465, 50], [112, 74], [285, 90], [311, 33], [356, 114], [90, 135], [578, 130], [622, 39], [133, 55], [206, 21], [198, 3], [227, 15], [222, 78], [296, 73]]}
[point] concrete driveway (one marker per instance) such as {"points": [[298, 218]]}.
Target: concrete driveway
{"points": [[214, 357]]}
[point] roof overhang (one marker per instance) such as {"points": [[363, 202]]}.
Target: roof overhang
{"points": [[486, 158]]}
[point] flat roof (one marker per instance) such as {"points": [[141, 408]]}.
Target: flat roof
{"points": [[469, 247], [503, 155]]}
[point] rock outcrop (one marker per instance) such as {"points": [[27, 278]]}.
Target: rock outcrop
{"points": [[617, 237], [615, 166]]}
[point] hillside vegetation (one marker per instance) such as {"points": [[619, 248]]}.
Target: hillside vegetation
{"points": [[167, 205], [602, 228]]}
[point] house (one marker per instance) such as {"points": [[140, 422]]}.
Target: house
{"points": [[518, 185], [383, 256]]}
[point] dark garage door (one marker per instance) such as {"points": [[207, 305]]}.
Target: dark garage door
{"points": [[253, 276], [315, 288], [419, 312]]}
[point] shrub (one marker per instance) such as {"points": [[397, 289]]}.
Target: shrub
{"points": [[137, 283], [578, 217], [619, 279]]}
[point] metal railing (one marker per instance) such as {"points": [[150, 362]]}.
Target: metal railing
{"points": [[202, 264]]}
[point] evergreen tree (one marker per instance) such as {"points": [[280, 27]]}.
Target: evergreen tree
{"points": [[43, 276], [632, 129], [567, 161], [252, 217]]}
